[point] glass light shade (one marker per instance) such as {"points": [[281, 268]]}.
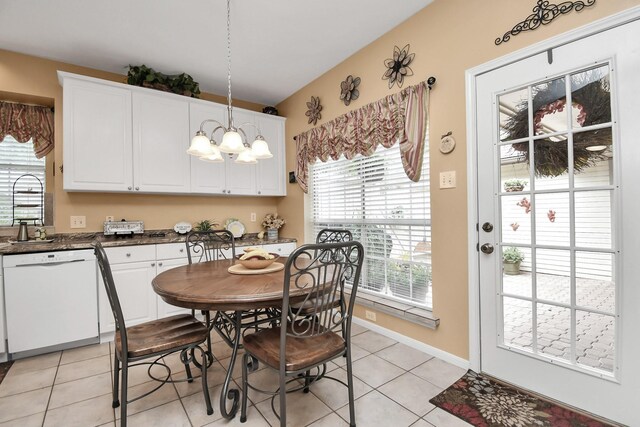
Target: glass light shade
{"points": [[200, 145], [215, 156], [246, 157], [231, 142], [260, 148]]}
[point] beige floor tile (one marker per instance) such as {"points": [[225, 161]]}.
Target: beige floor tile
{"points": [[372, 341], [166, 393], [84, 353], [334, 394], [404, 356], [36, 363], [357, 329], [140, 374], [254, 419], [440, 418], [375, 409], [375, 371], [196, 407], [302, 409], [411, 392], [222, 351], [439, 372], [215, 376], [24, 404], [237, 367], [34, 420], [83, 369], [266, 380], [79, 390], [331, 420], [421, 423], [170, 414], [356, 353], [32, 380], [91, 412]]}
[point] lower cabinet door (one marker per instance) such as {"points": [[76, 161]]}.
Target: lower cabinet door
{"points": [[137, 298], [164, 309]]}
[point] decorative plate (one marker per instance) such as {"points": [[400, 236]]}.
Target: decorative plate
{"points": [[235, 227], [182, 227]]}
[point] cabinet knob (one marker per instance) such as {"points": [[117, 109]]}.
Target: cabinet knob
{"points": [[228, 191], [224, 191], [129, 188], [137, 188], [128, 255], [153, 264], [182, 250], [159, 264], [259, 192]]}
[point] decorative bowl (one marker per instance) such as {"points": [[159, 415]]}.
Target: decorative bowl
{"points": [[256, 263]]}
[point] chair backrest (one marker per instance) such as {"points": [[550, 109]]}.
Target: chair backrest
{"points": [[112, 294], [320, 270], [210, 245], [333, 235]]}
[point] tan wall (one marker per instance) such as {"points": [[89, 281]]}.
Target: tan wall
{"points": [[29, 79], [448, 37]]}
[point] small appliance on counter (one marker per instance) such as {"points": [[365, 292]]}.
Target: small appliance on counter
{"points": [[123, 228]]}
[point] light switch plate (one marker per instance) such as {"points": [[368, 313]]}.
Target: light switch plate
{"points": [[78, 221], [448, 179]]}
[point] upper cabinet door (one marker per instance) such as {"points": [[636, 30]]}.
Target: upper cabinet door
{"points": [[97, 137], [206, 177], [270, 173], [241, 178], [160, 141]]}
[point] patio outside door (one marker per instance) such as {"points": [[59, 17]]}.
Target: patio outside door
{"points": [[559, 185]]}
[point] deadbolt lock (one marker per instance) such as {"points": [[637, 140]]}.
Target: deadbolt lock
{"points": [[488, 227]]}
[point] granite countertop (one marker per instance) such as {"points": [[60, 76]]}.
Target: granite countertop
{"points": [[66, 241]]}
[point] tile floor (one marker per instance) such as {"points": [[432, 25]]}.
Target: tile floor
{"points": [[393, 386]]}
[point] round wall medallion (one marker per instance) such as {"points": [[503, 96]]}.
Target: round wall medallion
{"points": [[447, 143]]}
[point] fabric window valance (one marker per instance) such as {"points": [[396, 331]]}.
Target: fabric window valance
{"points": [[399, 118], [25, 122]]}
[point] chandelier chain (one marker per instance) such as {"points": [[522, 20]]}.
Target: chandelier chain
{"points": [[229, 62]]}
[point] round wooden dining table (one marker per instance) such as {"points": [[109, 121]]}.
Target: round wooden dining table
{"points": [[235, 298]]}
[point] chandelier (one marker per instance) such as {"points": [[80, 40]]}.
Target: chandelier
{"points": [[234, 139]]}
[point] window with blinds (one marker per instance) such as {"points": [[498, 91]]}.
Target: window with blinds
{"points": [[16, 159], [388, 213]]}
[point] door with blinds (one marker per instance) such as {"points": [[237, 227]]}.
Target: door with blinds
{"points": [[558, 209]]}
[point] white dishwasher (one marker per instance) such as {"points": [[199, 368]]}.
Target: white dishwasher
{"points": [[51, 298]]}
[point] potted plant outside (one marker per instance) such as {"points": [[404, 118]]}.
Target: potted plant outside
{"points": [[511, 259], [512, 185]]}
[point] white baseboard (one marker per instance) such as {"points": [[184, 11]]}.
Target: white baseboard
{"points": [[426, 348]]}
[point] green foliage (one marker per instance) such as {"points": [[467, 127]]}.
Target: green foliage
{"points": [[514, 184], [205, 225], [512, 255], [182, 84]]}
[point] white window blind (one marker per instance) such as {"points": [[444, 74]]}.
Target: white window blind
{"points": [[16, 159], [388, 213]]}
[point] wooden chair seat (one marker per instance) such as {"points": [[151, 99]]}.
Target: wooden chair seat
{"points": [[163, 334], [312, 305], [301, 353]]}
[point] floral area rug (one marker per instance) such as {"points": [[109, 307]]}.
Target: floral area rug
{"points": [[4, 368], [486, 403]]}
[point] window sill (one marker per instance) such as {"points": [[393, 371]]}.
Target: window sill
{"points": [[397, 309]]}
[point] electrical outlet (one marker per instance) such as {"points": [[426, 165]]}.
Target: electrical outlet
{"points": [[109, 218], [370, 315], [253, 217], [448, 179], [78, 221]]}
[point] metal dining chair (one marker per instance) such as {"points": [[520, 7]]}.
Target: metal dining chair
{"points": [[155, 339], [210, 245], [333, 235], [303, 342]]}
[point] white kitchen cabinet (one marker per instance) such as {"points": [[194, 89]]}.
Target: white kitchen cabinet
{"points": [[206, 177], [168, 256], [241, 178], [282, 249], [97, 136], [160, 141], [133, 269], [271, 173]]}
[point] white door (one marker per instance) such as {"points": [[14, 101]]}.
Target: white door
{"points": [[566, 325]]}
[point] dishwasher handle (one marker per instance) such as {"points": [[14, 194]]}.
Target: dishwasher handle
{"points": [[53, 264]]}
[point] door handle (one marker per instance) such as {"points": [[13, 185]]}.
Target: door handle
{"points": [[488, 227], [487, 248]]}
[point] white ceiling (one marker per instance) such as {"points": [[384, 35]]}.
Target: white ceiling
{"points": [[277, 46]]}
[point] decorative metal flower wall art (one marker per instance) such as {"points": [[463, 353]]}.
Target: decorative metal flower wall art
{"points": [[398, 66], [349, 89], [314, 109]]}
